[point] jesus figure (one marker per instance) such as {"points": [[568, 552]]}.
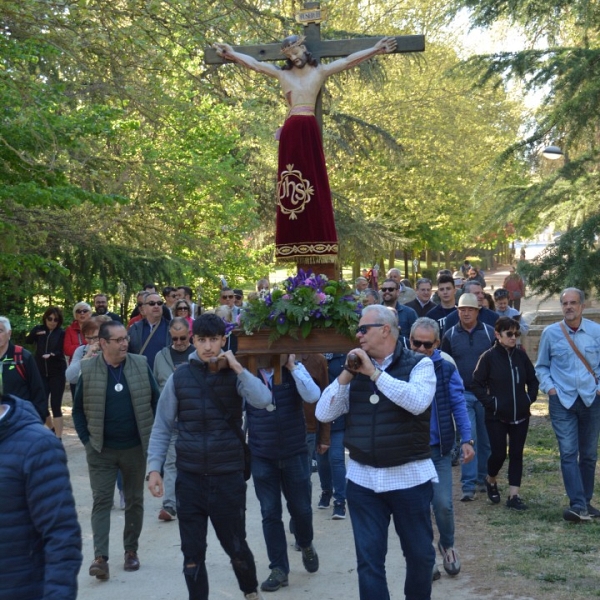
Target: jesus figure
{"points": [[305, 230]]}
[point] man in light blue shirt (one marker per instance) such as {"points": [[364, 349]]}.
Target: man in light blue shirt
{"points": [[572, 388]]}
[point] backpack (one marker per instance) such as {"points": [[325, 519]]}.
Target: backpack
{"points": [[19, 364]]}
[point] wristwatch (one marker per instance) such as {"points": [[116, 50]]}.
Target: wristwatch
{"points": [[470, 442]]}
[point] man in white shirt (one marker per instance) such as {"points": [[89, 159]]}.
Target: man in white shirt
{"points": [[386, 397]]}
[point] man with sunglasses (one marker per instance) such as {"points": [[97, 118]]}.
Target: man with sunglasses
{"points": [[390, 291], [165, 364], [386, 398], [465, 342], [150, 335], [113, 411], [447, 409]]}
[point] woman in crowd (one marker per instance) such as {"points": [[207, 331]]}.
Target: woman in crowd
{"points": [[91, 347], [49, 338], [82, 312], [183, 309], [504, 382]]}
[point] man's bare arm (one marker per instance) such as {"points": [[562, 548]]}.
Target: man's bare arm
{"points": [[228, 53], [383, 46]]}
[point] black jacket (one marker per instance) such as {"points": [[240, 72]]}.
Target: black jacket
{"points": [[504, 382], [50, 342]]}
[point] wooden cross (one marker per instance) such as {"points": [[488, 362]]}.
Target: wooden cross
{"points": [[318, 47]]}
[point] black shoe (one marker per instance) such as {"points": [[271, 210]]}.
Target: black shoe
{"points": [[576, 515], [492, 492], [310, 559], [435, 575], [325, 499], [593, 511], [277, 579], [468, 497], [515, 503]]}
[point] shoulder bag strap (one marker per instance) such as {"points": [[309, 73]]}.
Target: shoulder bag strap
{"points": [[577, 352], [152, 332]]}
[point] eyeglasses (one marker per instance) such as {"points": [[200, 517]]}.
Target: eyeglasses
{"points": [[118, 340], [154, 303], [238, 297], [419, 343], [388, 289], [180, 339], [92, 338], [229, 297], [511, 334], [362, 329], [82, 311], [182, 308], [52, 319]]}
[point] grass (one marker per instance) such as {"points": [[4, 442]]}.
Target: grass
{"points": [[551, 558]]}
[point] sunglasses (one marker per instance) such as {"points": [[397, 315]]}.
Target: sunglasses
{"points": [[53, 319], [82, 311], [419, 343], [511, 334], [154, 303], [182, 308], [180, 339], [362, 329], [227, 297], [388, 289]]}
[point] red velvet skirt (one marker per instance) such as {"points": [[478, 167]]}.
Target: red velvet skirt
{"points": [[305, 225]]}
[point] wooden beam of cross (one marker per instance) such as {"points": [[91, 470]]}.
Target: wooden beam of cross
{"points": [[311, 18]]}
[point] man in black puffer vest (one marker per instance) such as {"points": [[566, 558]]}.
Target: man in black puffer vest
{"points": [[210, 456], [277, 440], [386, 398]]}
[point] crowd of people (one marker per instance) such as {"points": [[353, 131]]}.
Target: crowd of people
{"points": [[164, 403]]}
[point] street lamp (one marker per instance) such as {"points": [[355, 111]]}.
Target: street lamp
{"points": [[552, 152]]}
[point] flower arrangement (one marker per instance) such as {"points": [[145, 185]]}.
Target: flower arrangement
{"points": [[305, 302]]}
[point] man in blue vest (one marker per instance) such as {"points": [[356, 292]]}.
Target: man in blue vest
{"points": [[447, 409], [386, 399]]}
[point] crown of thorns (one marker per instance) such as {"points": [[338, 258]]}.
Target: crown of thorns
{"points": [[288, 45]]}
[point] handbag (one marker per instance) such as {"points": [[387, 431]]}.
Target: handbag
{"points": [[228, 419], [578, 353]]}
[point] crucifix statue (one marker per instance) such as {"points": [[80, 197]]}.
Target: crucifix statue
{"points": [[305, 231]]}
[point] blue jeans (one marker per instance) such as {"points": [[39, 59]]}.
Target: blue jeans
{"points": [[576, 431], [292, 477], [332, 468], [442, 497], [370, 514], [476, 470], [222, 499]]}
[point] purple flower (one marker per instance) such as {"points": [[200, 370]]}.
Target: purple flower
{"points": [[281, 319]]}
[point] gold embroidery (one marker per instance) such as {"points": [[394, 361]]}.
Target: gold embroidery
{"points": [[295, 190]]}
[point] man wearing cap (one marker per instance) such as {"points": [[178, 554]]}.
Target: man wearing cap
{"points": [[465, 342], [485, 314]]}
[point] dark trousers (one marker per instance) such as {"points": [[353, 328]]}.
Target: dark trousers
{"points": [[55, 388], [222, 499], [498, 432], [103, 468]]}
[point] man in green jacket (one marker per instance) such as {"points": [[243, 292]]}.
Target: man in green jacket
{"points": [[113, 412]]}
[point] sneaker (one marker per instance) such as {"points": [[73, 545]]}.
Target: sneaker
{"points": [[253, 596], [325, 499], [451, 560], [468, 497], [435, 575], [576, 515], [99, 568], [277, 579], [121, 500], [167, 514], [492, 492], [593, 511], [482, 487], [132, 562], [310, 559], [516, 503], [339, 511]]}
